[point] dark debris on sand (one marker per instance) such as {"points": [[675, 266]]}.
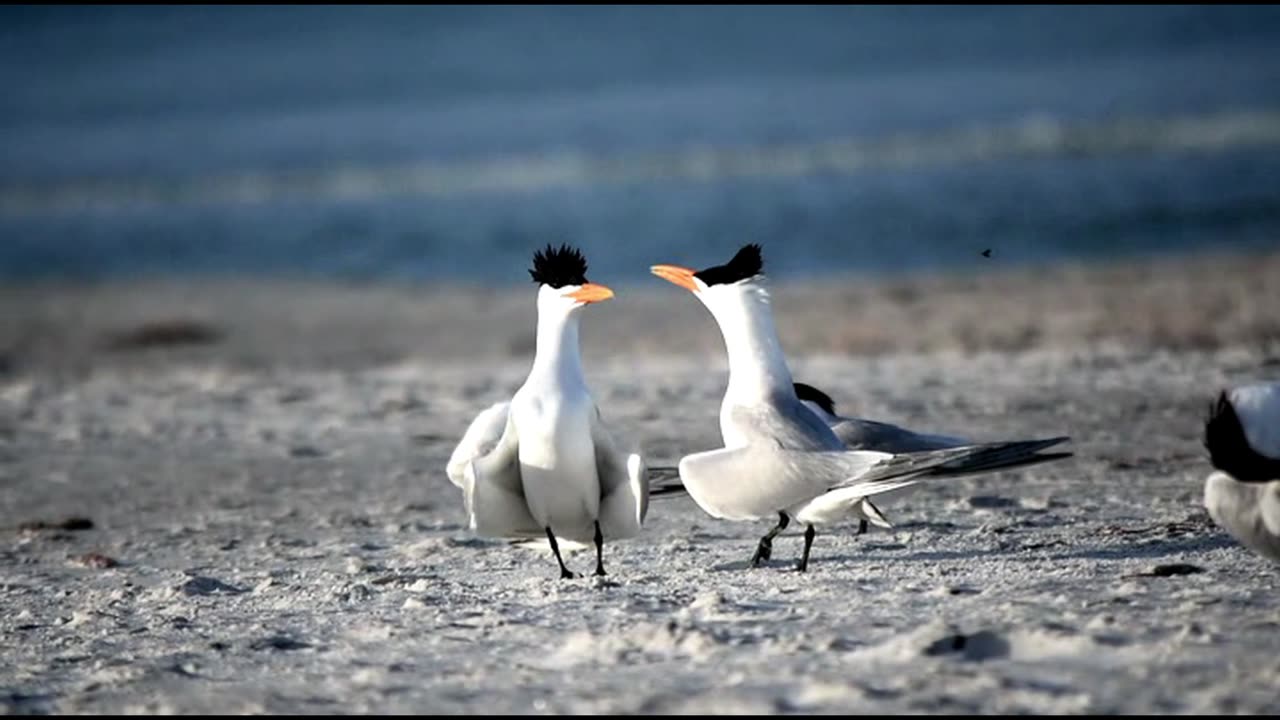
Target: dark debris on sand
{"points": [[164, 334], [70, 523]]}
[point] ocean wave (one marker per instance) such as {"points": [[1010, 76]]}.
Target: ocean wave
{"points": [[1033, 137]]}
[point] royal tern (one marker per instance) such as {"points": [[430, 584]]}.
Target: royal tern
{"points": [[543, 463], [1242, 494], [779, 458]]}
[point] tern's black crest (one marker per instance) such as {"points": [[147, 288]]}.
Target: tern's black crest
{"points": [[1229, 449], [815, 396], [559, 267], [747, 263]]}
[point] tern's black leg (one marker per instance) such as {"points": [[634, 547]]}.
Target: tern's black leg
{"points": [[765, 549], [808, 543], [565, 574], [599, 551]]}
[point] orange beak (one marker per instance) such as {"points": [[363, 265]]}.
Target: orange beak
{"points": [[591, 293], [675, 274]]}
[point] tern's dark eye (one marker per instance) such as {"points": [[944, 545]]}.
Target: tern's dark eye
{"points": [[747, 263], [559, 267]]}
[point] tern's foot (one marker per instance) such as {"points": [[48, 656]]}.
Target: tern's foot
{"points": [[567, 574], [600, 571], [802, 566], [763, 553]]}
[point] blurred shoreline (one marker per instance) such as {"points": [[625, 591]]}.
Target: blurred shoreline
{"points": [[1202, 301]]}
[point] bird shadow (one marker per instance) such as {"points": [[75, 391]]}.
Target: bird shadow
{"points": [[1150, 550], [883, 552], [1160, 548], [718, 537], [921, 556], [741, 565]]}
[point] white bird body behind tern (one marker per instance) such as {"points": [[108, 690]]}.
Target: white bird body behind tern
{"points": [[1242, 494]]}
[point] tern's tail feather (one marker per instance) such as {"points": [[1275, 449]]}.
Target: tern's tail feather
{"points": [[664, 481], [1003, 456], [873, 514], [910, 468]]}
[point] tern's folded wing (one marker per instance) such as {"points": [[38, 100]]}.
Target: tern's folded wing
{"points": [[481, 437], [494, 492], [624, 485]]}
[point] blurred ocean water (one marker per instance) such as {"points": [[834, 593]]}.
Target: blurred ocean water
{"points": [[434, 143]]}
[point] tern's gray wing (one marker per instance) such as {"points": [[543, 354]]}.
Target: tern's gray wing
{"points": [[494, 492], [859, 434], [909, 468], [783, 422], [758, 480]]}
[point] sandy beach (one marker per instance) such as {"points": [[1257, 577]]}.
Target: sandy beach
{"points": [[229, 496]]}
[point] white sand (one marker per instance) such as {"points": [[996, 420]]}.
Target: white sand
{"points": [[287, 540]]}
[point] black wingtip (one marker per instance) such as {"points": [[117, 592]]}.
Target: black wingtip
{"points": [[1228, 446], [815, 396], [558, 267]]}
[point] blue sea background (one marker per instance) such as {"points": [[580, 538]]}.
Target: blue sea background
{"points": [[446, 143]]}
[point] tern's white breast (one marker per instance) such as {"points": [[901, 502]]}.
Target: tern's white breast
{"points": [[557, 461]]}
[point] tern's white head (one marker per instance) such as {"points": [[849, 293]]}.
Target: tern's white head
{"points": [[730, 291], [563, 288], [737, 296]]}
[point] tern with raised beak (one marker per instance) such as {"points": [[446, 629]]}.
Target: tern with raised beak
{"points": [[780, 460]]}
